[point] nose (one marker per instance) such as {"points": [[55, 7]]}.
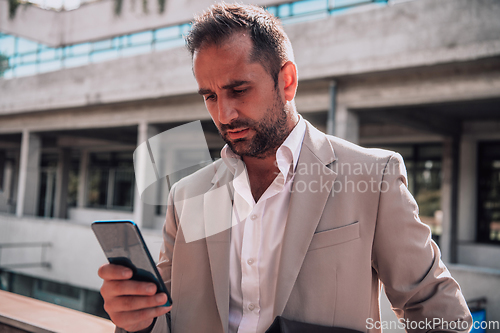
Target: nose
{"points": [[227, 111]]}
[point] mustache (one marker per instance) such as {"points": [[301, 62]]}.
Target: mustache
{"points": [[238, 123]]}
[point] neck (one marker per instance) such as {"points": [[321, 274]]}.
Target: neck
{"points": [[263, 170]]}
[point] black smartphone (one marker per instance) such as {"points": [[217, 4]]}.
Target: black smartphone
{"points": [[123, 244]]}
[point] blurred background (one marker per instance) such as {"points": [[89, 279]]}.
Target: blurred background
{"points": [[82, 84]]}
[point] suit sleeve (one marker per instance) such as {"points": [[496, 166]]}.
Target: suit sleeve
{"points": [[417, 283], [165, 263]]}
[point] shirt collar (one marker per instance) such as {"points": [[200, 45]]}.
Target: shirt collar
{"points": [[287, 154]]}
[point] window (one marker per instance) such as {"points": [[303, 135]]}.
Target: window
{"points": [[111, 181], [81, 299], [488, 227], [48, 178], [423, 166]]}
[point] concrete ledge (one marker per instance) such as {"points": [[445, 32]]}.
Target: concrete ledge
{"points": [[479, 282], [31, 315], [412, 35]]}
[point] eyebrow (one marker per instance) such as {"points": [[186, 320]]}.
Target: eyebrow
{"points": [[231, 85]]}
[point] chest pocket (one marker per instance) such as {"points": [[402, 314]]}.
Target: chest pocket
{"points": [[335, 236]]}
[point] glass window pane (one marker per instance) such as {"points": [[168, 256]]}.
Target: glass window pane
{"points": [[47, 54], [8, 74], [7, 45], [15, 61], [141, 38], [97, 187], [80, 49], [49, 66], [185, 28], [273, 10], [102, 45], [25, 70], [167, 33], [104, 55], [122, 41], [133, 50], [29, 58], [489, 193], [304, 18], [76, 61], [430, 152], [284, 10], [4, 66], [124, 188], [116, 42], [26, 46], [304, 7], [169, 44], [345, 3]]}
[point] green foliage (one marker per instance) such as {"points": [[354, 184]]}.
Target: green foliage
{"points": [[118, 7], [4, 64], [161, 5], [428, 201], [13, 4]]}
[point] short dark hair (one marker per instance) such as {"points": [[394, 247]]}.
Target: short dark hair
{"points": [[271, 46]]}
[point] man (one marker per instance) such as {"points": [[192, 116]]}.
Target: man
{"points": [[312, 239]]}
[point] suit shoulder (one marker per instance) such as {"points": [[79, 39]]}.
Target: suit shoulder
{"points": [[200, 179], [349, 152]]}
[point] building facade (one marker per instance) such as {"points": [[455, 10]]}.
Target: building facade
{"points": [[82, 89]]}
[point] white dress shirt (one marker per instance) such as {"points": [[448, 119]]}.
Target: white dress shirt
{"points": [[256, 237]]}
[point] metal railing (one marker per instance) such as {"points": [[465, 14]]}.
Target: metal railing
{"points": [[42, 263]]}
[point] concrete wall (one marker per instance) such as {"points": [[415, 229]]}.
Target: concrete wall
{"points": [[412, 34], [75, 254], [97, 20]]}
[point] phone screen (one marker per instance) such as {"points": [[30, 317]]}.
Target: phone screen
{"points": [[123, 245]]}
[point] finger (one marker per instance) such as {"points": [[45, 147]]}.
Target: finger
{"points": [[135, 320], [114, 288], [133, 303], [114, 272]]}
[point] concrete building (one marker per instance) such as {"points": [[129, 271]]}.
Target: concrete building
{"points": [[84, 88]]}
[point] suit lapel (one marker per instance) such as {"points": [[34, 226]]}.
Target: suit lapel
{"points": [[305, 210], [217, 211]]}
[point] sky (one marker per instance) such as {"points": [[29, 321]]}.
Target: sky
{"points": [[58, 4]]}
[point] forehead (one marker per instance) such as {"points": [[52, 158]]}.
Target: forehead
{"points": [[228, 60]]}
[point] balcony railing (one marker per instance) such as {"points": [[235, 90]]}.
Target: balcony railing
{"points": [[23, 314]]}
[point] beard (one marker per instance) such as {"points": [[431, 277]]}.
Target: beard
{"points": [[270, 132]]}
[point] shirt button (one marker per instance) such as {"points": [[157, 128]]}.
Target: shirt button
{"points": [[251, 306], [253, 217], [250, 261]]}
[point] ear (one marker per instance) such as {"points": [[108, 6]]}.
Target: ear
{"points": [[288, 78]]}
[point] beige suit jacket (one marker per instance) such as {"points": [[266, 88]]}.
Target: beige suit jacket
{"points": [[352, 226]]}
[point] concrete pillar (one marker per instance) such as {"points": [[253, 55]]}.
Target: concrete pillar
{"points": [[62, 178], [82, 179], [144, 214], [346, 124], [5, 180], [330, 121], [27, 193], [467, 213], [449, 199], [446, 186]]}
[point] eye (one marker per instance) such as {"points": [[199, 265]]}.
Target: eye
{"points": [[210, 97], [238, 91]]}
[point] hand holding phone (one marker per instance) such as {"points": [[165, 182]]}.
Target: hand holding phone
{"points": [[133, 291]]}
